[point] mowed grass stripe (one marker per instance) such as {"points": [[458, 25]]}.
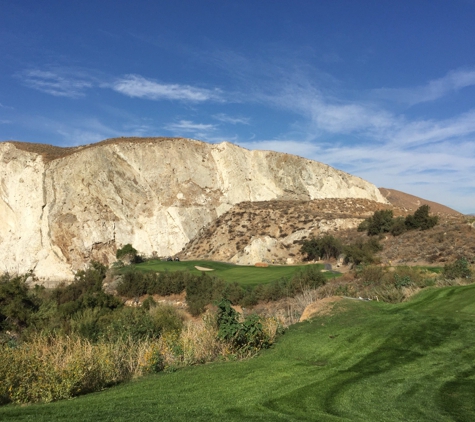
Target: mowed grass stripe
{"points": [[244, 275], [367, 361]]}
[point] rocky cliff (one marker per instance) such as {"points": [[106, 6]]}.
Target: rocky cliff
{"points": [[61, 208]]}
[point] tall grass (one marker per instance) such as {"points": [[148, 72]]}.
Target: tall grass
{"points": [[59, 367], [49, 368]]}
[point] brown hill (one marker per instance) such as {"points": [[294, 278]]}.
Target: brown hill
{"points": [[272, 232], [411, 203]]}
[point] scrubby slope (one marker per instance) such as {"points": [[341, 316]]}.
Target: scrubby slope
{"points": [[272, 231]]}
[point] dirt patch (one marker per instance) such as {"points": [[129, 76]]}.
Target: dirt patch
{"points": [[203, 268], [320, 307]]}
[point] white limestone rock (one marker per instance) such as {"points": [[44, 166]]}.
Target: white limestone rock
{"points": [[56, 215]]}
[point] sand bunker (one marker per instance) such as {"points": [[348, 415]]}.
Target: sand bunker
{"points": [[203, 268]]}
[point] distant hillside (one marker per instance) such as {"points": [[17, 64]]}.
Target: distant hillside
{"points": [[272, 231], [411, 203]]}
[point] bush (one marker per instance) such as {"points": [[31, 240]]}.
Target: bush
{"points": [[421, 219], [399, 226], [380, 222], [128, 253], [17, 306], [166, 319], [201, 291], [458, 269], [362, 252], [309, 278], [126, 250], [324, 247], [244, 337], [383, 222]]}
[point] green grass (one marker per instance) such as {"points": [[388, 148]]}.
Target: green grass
{"points": [[436, 270], [244, 275], [367, 361]]}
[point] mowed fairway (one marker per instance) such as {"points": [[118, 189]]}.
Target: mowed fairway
{"points": [[244, 275], [366, 361]]}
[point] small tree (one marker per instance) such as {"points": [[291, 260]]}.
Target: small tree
{"points": [[421, 219], [380, 222]]}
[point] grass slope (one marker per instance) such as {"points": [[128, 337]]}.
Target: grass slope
{"points": [[244, 275], [367, 361]]}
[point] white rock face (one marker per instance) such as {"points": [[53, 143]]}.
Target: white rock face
{"points": [[258, 250], [156, 194]]}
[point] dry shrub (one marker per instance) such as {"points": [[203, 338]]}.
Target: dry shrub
{"points": [[52, 368]]}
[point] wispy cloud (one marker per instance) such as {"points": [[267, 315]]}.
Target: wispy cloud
{"points": [[60, 83], [140, 87], [432, 173], [426, 157], [433, 90], [422, 132], [203, 131], [188, 126], [233, 120]]}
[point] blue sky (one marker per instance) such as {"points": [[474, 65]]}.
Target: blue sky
{"points": [[384, 90]]}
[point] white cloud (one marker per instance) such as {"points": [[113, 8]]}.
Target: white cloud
{"points": [[433, 90], [140, 87], [233, 120], [433, 173], [188, 126], [420, 132], [60, 83]]}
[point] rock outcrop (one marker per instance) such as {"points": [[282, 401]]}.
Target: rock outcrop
{"points": [[61, 208]]}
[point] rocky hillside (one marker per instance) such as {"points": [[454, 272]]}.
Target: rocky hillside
{"points": [[272, 231], [62, 207]]}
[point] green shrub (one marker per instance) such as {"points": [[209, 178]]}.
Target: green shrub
{"points": [[166, 319], [421, 219], [383, 222], [17, 305], [135, 323], [323, 247], [380, 222], [362, 252], [244, 337], [399, 226], [458, 269], [126, 251], [309, 278], [201, 291]]}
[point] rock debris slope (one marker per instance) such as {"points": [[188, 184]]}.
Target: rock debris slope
{"points": [[61, 208]]}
